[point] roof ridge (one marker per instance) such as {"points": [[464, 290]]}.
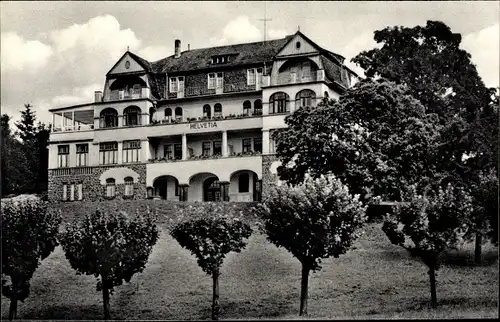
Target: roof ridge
{"points": [[229, 45]]}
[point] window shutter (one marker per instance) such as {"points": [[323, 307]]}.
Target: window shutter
{"points": [[80, 191]]}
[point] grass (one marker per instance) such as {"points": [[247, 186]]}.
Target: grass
{"points": [[375, 280]]}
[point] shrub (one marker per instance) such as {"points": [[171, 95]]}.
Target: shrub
{"points": [[29, 235], [216, 232], [314, 220], [110, 246], [428, 225]]}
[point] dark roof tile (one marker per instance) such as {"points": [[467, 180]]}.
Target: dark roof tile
{"points": [[250, 53]]}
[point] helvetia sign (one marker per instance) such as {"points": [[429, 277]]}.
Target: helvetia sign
{"points": [[202, 125]]}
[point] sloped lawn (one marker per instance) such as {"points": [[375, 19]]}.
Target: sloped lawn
{"points": [[375, 280]]}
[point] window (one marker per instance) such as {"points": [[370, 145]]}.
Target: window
{"points": [[215, 80], [131, 151], [243, 182], [132, 116], [108, 153], [82, 155], [257, 107], [80, 191], [136, 89], [278, 103], [305, 98], [218, 110], [63, 156], [178, 113], [65, 192], [220, 59], [306, 69], [110, 188], [129, 186], [167, 151], [254, 76], [176, 84], [108, 118], [247, 145], [271, 142], [247, 108], [177, 151], [206, 148], [72, 192], [207, 112], [257, 145], [218, 147], [168, 114], [297, 45], [251, 76]]}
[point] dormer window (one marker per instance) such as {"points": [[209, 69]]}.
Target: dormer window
{"points": [[221, 59]]}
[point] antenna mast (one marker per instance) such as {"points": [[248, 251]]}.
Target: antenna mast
{"points": [[265, 19]]}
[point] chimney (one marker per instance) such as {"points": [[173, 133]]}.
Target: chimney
{"points": [[98, 96], [177, 48], [189, 47]]}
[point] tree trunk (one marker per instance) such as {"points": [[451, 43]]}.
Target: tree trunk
{"points": [[13, 309], [432, 276], [105, 298], [478, 248], [215, 298], [304, 283]]}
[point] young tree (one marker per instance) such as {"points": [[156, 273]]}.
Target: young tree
{"points": [[428, 225], [110, 246], [377, 138], [429, 60], [216, 232], [313, 220], [29, 235]]}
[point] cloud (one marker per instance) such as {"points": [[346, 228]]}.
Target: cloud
{"points": [[362, 42], [484, 49], [238, 30], [154, 53], [18, 54], [79, 95], [277, 33]]}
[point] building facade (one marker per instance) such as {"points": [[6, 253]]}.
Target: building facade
{"points": [[195, 126]]}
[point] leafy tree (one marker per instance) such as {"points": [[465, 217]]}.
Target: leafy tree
{"points": [[110, 246], [377, 139], [429, 60], [29, 235], [216, 232], [313, 220], [430, 224]]}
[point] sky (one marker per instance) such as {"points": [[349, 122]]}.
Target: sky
{"points": [[56, 54]]}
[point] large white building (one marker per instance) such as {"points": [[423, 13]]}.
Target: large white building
{"points": [[195, 126]]}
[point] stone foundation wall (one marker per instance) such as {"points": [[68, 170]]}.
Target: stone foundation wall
{"points": [[268, 178], [92, 188]]}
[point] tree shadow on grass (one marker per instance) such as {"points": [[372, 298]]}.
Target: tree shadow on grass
{"points": [[462, 302], [66, 312], [465, 258], [250, 309]]}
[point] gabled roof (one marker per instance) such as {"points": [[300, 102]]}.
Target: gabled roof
{"points": [[141, 61], [249, 53]]}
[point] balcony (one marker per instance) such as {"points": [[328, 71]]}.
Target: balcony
{"points": [[293, 78], [73, 128], [195, 91], [206, 157], [121, 95]]}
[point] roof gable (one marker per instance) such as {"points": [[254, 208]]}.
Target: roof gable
{"points": [[298, 45], [135, 64]]}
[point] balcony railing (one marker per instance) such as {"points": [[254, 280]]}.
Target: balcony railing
{"points": [[205, 119], [293, 78], [73, 128], [194, 91], [207, 157], [127, 95]]}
